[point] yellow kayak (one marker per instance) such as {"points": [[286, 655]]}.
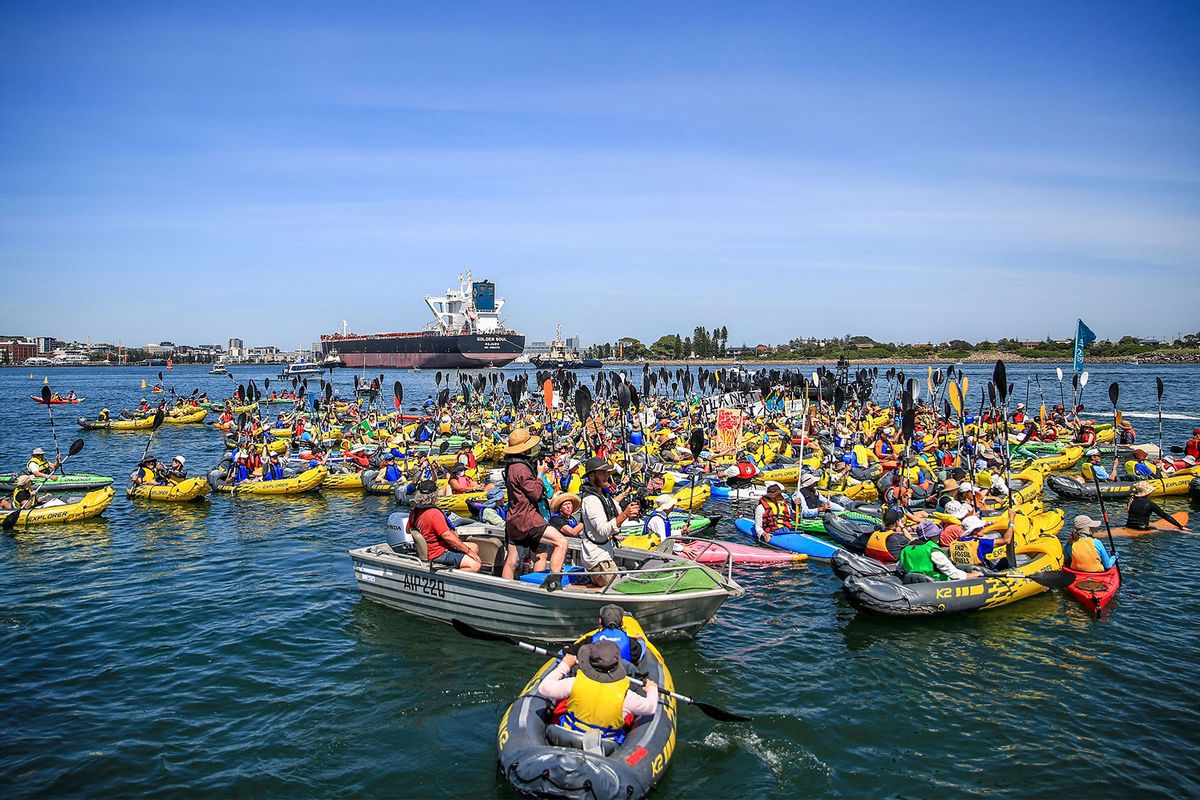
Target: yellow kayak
{"points": [[91, 505], [344, 480], [186, 419], [306, 481], [181, 492]]}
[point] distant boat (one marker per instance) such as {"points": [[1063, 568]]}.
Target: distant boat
{"points": [[300, 369], [218, 369]]}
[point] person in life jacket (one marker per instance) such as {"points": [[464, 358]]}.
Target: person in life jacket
{"points": [[1085, 553], [657, 526], [104, 415], [357, 459], [1126, 434], [925, 562], [1019, 415], [1192, 448], [177, 471], [1094, 467], [810, 503], [974, 547], [274, 469], [773, 512], [612, 629], [388, 471], [599, 696], [1139, 467], [1087, 436], [147, 472], [24, 496], [39, 466]]}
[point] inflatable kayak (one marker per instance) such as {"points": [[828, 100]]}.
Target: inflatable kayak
{"points": [[76, 482], [186, 419], [306, 481], [57, 401], [878, 588], [1073, 489], [541, 759], [142, 424], [190, 489], [792, 541], [90, 505], [1094, 590], [714, 553], [344, 480], [1194, 490]]}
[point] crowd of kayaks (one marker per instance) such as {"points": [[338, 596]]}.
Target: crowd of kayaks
{"points": [[861, 457]]}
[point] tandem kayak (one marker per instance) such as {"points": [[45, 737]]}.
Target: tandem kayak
{"points": [[90, 505], [792, 541], [141, 424], [1094, 590], [306, 481], [540, 758], [74, 482], [879, 588], [1072, 489], [185, 490], [57, 401]]}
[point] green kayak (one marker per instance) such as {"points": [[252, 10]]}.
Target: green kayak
{"points": [[78, 482], [818, 526]]}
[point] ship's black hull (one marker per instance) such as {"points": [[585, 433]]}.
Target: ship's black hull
{"points": [[434, 351]]}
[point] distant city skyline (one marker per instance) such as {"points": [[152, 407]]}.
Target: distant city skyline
{"points": [[909, 172]]}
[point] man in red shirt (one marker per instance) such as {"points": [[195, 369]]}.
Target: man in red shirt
{"points": [[443, 544]]}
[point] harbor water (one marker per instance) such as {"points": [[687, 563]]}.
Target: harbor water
{"points": [[221, 648]]}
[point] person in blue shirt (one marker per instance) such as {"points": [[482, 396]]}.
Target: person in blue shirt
{"points": [[1141, 468], [1093, 467], [388, 471], [274, 470], [1084, 552], [612, 619], [238, 470]]}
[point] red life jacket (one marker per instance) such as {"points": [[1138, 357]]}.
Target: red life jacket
{"points": [[746, 470], [776, 515], [1192, 448]]}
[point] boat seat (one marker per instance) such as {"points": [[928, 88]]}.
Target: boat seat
{"points": [[589, 742], [491, 547]]}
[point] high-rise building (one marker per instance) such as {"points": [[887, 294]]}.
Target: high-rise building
{"points": [[235, 344]]}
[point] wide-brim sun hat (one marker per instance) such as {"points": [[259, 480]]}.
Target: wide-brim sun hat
{"points": [[665, 502], [558, 500], [521, 441], [601, 661], [1143, 489], [596, 464], [426, 495]]}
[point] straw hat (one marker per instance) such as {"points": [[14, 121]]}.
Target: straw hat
{"points": [[808, 479], [950, 485], [24, 480], [559, 499], [1143, 489], [425, 496], [665, 502], [519, 441]]}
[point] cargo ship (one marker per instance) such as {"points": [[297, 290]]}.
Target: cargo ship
{"points": [[466, 333]]}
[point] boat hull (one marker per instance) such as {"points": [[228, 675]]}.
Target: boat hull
{"points": [[517, 608], [428, 351]]}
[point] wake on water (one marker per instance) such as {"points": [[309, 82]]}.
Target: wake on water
{"points": [[1154, 415]]}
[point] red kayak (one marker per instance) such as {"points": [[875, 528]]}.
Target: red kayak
{"points": [[1094, 590], [58, 401]]}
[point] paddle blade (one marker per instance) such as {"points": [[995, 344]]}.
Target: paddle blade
{"points": [[158, 420], [471, 632], [1059, 371], [76, 448], [623, 397], [719, 713], [1000, 379], [10, 521], [955, 395], [1052, 579], [548, 393], [1083, 379], [696, 442], [46, 395], [1114, 392], [966, 384], [1160, 389]]}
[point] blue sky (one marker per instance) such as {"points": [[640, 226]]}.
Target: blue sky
{"points": [[910, 171]]}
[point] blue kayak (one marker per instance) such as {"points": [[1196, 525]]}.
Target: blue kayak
{"points": [[794, 541]]}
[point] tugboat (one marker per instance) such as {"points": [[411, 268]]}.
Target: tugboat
{"points": [[560, 357]]}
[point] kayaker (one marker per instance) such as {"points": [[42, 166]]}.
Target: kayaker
{"points": [[466, 456], [461, 483], [612, 629], [599, 697], [274, 469], [388, 471], [809, 503], [1094, 467], [1018, 416], [885, 545], [239, 468], [1141, 508], [947, 495], [442, 543], [1126, 434], [977, 548], [177, 471], [601, 521], [147, 472], [39, 466], [957, 530], [1085, 553], [1140, 468], [1192, 447], [25, 495], [492, 510], [658, 522], [925, 562], [773, 513], [104, 415], [525, 529], [562, 509]]}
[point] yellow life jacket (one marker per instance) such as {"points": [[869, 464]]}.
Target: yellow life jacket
{"points": [[864, 455], [1084, 557], [596, 704], [148, 475], [1088, 473], [40, 462]]}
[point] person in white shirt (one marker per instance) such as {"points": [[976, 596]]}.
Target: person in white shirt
{"points": [[601, 521]]}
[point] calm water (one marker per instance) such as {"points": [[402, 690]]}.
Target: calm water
{"points": [[223, 649]]}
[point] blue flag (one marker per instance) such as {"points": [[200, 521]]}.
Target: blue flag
{"points": [[1083, 337]]}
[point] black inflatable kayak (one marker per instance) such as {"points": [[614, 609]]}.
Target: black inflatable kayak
{"points": [[538, 759]]}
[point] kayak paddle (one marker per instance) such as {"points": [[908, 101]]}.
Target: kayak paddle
{"points": [[471, 632]]}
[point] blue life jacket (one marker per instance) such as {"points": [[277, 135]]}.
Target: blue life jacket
{"points": [[240, 473], [618, 637], [391, 473], [646, 527], [273, 473]]}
